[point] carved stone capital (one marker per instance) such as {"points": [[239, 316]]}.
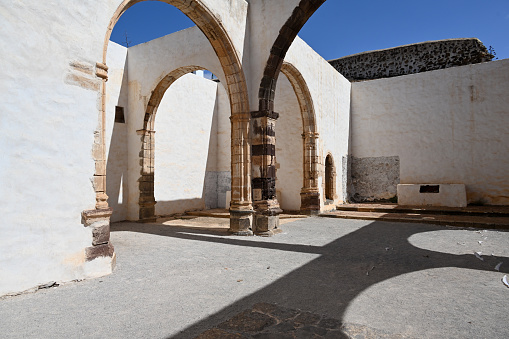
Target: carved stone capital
{"points": [[101, 71]]}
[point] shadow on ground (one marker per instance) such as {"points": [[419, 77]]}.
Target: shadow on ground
{"points": [[346, 267]]}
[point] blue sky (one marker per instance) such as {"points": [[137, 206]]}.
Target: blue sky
{"points": [[342, 28]]}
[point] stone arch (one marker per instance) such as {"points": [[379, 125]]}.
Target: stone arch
{"points": [[330, 178], [287, 34], [264, 120], [310, 192], [147, 200], [210, 25]]}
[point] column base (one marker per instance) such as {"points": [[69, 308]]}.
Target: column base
{"points": [[99, 221], [241, 222], [267, 218], [310, 202], [147, 212]]}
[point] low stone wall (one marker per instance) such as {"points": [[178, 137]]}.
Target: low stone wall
{"points": [[409, 59]]}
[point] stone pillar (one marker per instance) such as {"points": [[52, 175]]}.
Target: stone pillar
{"points": [[99, 151], [147, 201], [99, 218], [264, 172], [310, 193], [241, 208], [99, 221]]}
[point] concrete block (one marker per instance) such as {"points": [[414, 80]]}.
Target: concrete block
{"points": [[449, 195]]}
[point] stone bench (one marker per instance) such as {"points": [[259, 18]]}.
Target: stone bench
{"points": [[449, 195]]}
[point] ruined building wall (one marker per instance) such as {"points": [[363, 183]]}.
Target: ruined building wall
{"points": [[116, 131], [51, 102], [289, 153], [330, 94], [410, 59], [444, 126]]}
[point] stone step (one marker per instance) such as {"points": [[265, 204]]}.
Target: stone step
{"points": [[484, 211], [426, 218], [224, 213]]}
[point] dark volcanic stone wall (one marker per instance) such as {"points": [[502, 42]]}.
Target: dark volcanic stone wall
{"points": [[408, 59]]}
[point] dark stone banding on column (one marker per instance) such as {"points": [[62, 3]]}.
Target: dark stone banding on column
{"points": [[266, 113], [263, 150], [267, 186]]}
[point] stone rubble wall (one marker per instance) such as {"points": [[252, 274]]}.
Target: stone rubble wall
{"points": [[410, 59]]}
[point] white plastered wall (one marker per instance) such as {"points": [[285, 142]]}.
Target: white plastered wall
{"points": [[232, 15], [330, 93], [446, 126], [185, 144], [289, 146], [265, 19], [50, 112], [50, 102], [148, 63], [116, 132]]}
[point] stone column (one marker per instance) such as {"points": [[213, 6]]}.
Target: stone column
{"points": [[264, 172], [147, 201], [99, 151], [99, 218], [241, 208], [310, 193], [99, 221]]}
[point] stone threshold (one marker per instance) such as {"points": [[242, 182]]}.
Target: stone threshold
{"points": [[415, 216], [472, 210]]}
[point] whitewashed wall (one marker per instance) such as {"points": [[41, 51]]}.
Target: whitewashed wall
{"points": [[223, 148], [148, 63], [330, 93], [116, 133], [446, 126], [50, 104], [186, 144], [265, 20], [289, 146]]}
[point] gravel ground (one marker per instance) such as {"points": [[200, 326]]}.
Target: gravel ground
{"points": [[177, 279]]}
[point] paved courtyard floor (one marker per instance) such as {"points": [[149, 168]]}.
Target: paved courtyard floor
{"points": [[319, 278]]}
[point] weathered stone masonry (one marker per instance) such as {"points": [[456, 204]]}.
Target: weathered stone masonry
{"points": [[409, 59]]}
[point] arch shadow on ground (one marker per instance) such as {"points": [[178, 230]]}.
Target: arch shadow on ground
{"points": [[345, 268]]}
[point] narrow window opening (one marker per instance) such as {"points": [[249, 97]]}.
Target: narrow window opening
{"points": [[119, 114]]}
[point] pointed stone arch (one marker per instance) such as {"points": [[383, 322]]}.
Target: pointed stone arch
{"points": [[147, 200], [241, 202], [264, 120], [287, 34], [310, 192]]}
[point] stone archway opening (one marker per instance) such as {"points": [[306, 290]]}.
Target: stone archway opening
{"points": [[310, 192], [264, 122], [157, 179], [211, 26]]}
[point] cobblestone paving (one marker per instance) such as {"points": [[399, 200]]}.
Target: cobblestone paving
{"points": [[270, 321]]}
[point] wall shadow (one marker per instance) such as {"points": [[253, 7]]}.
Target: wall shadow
{"points": [[116, 163], [347, 266]]}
